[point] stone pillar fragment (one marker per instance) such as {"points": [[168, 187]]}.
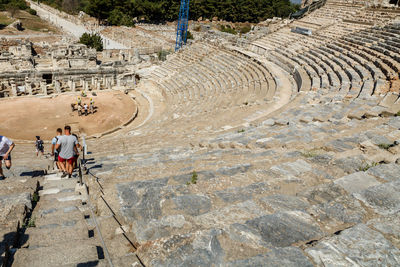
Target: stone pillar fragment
{"points": [[43, 87], [71, 85], [57, 86], [13, 89], [28, 86]]}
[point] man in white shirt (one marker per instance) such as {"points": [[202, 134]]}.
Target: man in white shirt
{"points": [[6, 146]]}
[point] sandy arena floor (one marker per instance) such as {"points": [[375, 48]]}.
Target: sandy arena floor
{"points": [[24, 118]]}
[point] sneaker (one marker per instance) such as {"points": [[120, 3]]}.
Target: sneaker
{"points": [[2, 178], [64, 174], [69, 175]]}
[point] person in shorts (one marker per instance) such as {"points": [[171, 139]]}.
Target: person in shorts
{"points": [[39, 146], [54, 151], [6, 146], [68, 147]]}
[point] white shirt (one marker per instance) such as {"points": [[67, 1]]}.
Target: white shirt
{"points": [[5, 144]]}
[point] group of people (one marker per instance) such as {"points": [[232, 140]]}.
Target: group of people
{"points": [[84, 108], [65, 149]]}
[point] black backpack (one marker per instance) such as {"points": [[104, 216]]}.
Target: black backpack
{"points": [[58, 149], [39, 144]]}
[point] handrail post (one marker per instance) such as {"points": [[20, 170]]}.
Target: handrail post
{"points": [[80, 173]]}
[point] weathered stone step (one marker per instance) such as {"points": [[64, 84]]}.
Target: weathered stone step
{"points": [[50, 203], [61, 184], [57, 215], [51, 234], [63, 196], [69, 253]]}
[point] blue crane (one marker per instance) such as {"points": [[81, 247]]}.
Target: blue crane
{"points": [[181, 32]]}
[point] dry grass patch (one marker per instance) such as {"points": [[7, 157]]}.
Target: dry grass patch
{"points": [[29, 22]]}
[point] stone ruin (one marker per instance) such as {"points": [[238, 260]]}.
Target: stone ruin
{"points": [[76, 56], [59, 68]]}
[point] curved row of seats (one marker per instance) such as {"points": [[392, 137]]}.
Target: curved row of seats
{"points": [[362, 63], [356, 11], [213, 79]]}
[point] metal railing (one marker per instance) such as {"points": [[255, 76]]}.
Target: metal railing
{"points": [[310, 8]]}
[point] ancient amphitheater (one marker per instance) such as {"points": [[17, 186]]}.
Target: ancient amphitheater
{"points": [[275, 148]]}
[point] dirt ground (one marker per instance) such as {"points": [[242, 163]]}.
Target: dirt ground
{"points": [[25, 117]]}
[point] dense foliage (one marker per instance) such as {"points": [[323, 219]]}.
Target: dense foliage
{"points": [[121, 12], [92, 40], [13, 6], [6, 4]]}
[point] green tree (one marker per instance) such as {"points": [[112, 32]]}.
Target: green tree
{"points": [[120, 12], [92, 40], [117, 17], [100, 9], [12, 9]]}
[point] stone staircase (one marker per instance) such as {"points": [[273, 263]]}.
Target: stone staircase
{"points": [[60, 235], [50, 221]]}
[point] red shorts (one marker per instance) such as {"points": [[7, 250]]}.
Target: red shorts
{"points": [[70, 160]]}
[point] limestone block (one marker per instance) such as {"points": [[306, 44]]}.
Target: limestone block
{"points": [[285, 228], [384, 198], [288, 257], [356, 182], [389, 172], [357, 246]]}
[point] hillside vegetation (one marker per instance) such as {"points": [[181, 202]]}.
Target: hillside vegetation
{"points": [[121, 12]]}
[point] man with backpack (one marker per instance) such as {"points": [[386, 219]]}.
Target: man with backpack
{"points": [[6, 146], [54, 151], [68, 145], [39, 146]]}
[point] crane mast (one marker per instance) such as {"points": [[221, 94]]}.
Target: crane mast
{"points": [[182, 28]]}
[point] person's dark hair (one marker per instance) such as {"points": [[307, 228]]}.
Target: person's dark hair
{"points": [[59, 130], [37, 137], [67, 127]]}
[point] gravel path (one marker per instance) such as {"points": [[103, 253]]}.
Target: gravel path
{"points": [[71, 27]]}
